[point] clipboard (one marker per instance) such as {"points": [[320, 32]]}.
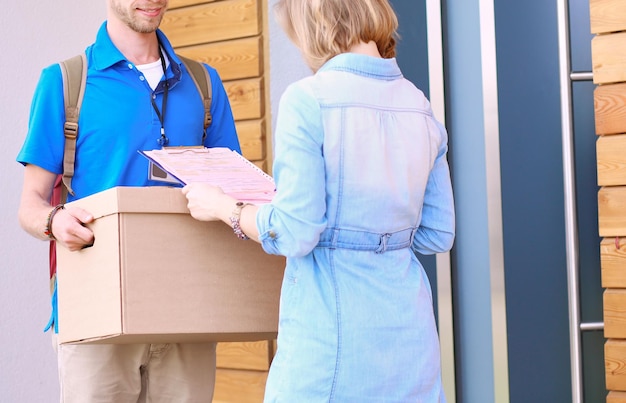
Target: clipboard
{"points": [[218, 166]]}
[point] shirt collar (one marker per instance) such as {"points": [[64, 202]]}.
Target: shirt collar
{"points": [[376, 67], [105, 54]]}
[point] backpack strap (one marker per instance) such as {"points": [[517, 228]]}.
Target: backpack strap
{"points": [[201, 78], [74, 74]]}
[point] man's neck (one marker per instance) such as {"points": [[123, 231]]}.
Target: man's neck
{"points": [[137, 47]]}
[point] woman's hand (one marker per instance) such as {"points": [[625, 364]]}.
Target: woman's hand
{"points": [[207, 202]]}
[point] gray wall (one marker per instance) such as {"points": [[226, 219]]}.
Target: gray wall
{"points": [[33, 36], [286, 63]]}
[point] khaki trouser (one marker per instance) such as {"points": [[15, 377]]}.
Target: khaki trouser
{"points": [[137, 373]]}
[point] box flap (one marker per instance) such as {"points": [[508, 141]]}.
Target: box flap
{"points": [[129, 199]]}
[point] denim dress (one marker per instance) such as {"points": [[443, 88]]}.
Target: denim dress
{"points": [[362, 182]]}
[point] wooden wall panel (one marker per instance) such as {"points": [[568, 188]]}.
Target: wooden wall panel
{"points": [[233, 60], [263, 165], [183, 3], [612, 211], [608, 50], [229, 36], [607, 16], [609, 54], [614, 300], [610, 108], [248, 355], [211, 22], [615, 364], [616, 397], [252, 138], [246, 98], [611, 156], [237, 386], [613, 262]]}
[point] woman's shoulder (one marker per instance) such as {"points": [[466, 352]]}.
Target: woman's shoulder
{"points": [[300, 91]]}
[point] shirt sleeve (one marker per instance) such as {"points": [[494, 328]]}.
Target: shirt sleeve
{"points": [[44, 142], [292, 223], [437, 228]]}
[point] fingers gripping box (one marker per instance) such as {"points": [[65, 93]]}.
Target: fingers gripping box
{"points": [[156, 275]]}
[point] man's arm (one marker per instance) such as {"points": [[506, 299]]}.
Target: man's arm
{"points": [[67, 225]]}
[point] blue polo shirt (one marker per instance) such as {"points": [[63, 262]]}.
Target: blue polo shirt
{"points": [[117, 119]]}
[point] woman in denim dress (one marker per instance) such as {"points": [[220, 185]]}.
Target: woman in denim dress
{"points": [[362, 183]]}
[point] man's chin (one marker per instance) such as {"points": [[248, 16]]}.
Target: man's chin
{"points": [[147, 27]]}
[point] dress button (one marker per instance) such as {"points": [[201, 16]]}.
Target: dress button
{"points": [[130, 66], [272, 234]]}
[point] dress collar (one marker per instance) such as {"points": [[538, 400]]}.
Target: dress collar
{"points": [[376, 67]]}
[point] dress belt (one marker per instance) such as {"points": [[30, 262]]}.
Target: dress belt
{"points": [[336, 238]]}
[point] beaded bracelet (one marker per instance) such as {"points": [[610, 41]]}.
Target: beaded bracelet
{"points": [[234, 220], [48, 230]]}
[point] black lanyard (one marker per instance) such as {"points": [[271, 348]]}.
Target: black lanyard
{"points": [[163, 140]]}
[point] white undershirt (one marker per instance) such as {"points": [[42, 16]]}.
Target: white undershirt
{"points": [[153, 72]]}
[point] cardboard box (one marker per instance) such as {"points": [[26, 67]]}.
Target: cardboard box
{"points": [[157, 275]]}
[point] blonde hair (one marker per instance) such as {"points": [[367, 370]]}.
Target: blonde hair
{"points": [[323, 29]]}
